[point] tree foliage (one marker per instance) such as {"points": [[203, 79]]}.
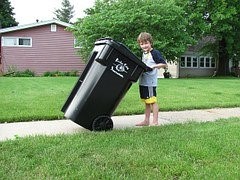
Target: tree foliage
{"points": [[174, 25], [220, 19], [65, 14], [6, 15], [123, 20]]}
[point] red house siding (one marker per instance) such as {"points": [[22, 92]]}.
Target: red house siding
{"points": [[1, 68], [50, 51]]}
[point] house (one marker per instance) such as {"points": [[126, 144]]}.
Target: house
{"points": [[192, 63], [41, 47]]}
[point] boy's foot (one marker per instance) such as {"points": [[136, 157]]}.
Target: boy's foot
{"points": [[143, 123], [154, 124]]}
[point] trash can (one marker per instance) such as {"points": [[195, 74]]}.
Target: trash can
{"points": [[108, 75]]}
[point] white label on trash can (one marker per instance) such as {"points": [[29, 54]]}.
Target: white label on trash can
{"points": [[119, 68]]}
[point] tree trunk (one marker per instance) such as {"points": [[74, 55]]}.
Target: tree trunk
{"points": [[223, 63]]}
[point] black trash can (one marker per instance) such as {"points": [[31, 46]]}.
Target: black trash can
{"points": [[108, 75]]}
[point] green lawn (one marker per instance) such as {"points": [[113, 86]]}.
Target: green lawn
{"points": [[26, 99], [181, 151]]}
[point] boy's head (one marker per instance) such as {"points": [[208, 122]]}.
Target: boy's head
{"points": [[144, 37]]}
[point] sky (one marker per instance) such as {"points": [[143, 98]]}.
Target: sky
{"points": [[28, 11]]}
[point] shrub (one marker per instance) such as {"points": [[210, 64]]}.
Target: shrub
{"points": [[58, 73], [26, 73]]}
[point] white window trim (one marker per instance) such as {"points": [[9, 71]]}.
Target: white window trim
{"points": [[210, 62], [75, 44], [4, 38], [198, 62], [53, 28], [185, 61]]}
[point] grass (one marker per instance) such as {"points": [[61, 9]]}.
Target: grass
{"points": [[181, 151], [25, 99], [41, 98], [182, 94]]}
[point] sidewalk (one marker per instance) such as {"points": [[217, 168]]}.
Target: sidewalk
{"points": [[21, 129]]}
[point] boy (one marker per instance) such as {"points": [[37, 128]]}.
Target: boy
{"points": [[148, 80]]}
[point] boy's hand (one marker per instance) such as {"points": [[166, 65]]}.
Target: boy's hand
{"points": [[147, 69]]}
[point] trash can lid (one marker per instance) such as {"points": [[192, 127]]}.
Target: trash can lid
{"points": [[123, 49]]}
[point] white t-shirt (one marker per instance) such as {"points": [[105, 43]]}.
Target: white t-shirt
{"points": [[151, 58]]}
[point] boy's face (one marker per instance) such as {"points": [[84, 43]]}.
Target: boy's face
{"points": [[145, 46]]}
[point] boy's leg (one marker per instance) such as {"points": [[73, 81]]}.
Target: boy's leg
{"points": [[155, 113], [147, 116], [147, 112]]}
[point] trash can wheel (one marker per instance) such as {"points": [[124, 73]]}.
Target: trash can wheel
{"points": [[102, 123]]}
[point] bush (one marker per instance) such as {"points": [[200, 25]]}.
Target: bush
{"points": [[58, 73], [26, 73]]}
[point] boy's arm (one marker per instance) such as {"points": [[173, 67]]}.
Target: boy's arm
{"points": [[160, 65], [159, 60]]}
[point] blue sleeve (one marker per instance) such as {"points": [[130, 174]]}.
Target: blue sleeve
{"points": [[157, 57]]}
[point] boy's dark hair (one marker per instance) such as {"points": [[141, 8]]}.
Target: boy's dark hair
{"points": [[144, 37]]}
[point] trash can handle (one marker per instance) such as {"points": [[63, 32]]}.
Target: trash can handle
{"points": [[105, 38]]}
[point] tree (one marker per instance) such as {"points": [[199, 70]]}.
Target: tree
{"points": [[6, 14], [65, 14], [220, 19], [123, 20]]}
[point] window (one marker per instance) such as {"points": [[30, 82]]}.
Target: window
{"points": [[189, 62], [24, 42], [195, 62], [76, 43], [17, 41], [201, 61], [213, 62], [207, 62], [182, 62], [53, 27], [9, 41]]}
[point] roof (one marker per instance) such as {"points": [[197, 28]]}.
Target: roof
{"points": [[201, 43], [27, 26]]}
